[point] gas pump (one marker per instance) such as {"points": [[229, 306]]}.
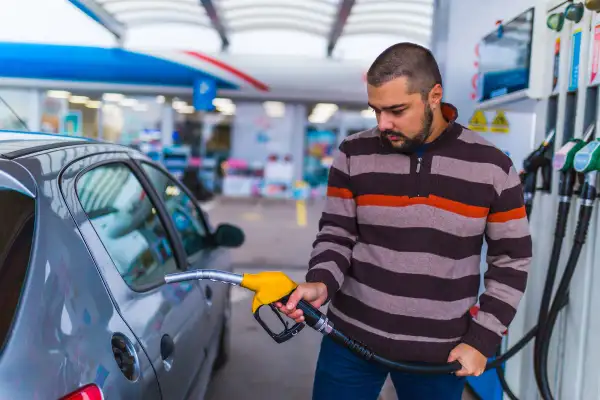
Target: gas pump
{"points": [[586, 161]]}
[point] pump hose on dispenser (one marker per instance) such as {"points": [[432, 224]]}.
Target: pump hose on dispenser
{"points": [[566, 185], [564, 206], [588, 196]]}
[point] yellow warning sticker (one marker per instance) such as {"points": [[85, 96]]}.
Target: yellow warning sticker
{"points": [[478, 122], [500, 123]]}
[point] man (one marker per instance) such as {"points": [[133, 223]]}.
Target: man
{"points": [[397, 257]]}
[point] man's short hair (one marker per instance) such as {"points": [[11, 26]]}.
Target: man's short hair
{"points": [[410, 60]]}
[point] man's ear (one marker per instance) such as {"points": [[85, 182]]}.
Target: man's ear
{"points": [[435, 96]]}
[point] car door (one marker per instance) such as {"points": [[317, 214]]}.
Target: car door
{"points": [[196, 235], [132, 239]]}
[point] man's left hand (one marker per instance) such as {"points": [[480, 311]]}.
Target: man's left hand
{"points": [[472, 361]]}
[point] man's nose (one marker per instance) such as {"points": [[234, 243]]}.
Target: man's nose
{"points": [[384, 123]]}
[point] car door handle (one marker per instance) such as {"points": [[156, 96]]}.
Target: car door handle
{"points": [[208, 294], [167, 349]]}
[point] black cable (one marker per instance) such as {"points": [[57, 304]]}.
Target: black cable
{"points": [[545, 334], [15, 114]]}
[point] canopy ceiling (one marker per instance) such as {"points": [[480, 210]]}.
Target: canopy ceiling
{"points": [[330, 20]]}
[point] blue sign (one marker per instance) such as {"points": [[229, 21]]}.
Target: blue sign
{"points": [[574, 79], [205, 91]]}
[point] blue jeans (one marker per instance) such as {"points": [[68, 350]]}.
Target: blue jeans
{"points": [[342, 374]]}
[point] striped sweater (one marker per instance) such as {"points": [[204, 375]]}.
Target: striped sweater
{"points": [[400, 241]]}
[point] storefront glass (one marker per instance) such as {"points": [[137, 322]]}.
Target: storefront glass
{"points": [[319, 145], [126, 119], [14, 109]]}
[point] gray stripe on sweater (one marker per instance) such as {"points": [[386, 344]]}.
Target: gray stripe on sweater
{"points": [[410, 307]]}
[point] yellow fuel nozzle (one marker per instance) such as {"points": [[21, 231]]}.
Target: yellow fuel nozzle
{"points": [[268, 286]]}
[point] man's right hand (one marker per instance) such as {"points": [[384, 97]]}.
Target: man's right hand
{"points": [[314, 293]]}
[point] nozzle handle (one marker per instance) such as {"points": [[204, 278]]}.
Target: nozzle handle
{"points": [[311, 314]]}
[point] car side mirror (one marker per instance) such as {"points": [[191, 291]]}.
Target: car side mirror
{"points": [[229, 236]]}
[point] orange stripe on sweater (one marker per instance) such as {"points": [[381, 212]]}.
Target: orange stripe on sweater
{"points": [[433, 201], [505, 216], [339, 192]]}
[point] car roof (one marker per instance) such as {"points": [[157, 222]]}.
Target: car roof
{"points": [[15, 144]]}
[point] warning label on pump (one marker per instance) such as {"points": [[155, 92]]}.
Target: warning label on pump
{"points": [[500, 123], [478, 122]]}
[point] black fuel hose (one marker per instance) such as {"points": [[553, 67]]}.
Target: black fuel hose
{"points": [[318, 321], [565, 192], [566, 185], [588, 195]]}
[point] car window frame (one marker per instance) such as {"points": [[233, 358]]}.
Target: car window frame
{"points": [[209, 232], [179, 256]]}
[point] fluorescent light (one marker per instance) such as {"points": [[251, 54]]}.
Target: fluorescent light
{"points": [[186, 110], [220, 102], [78, 99], [274, 109], [58, 94], [224, 106], [92, 104], [128, 102], [113, 97], [368, 113], [178, 104], [322, 112]]}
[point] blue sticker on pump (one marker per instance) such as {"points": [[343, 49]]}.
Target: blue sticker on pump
{"points": [[584, 156]]}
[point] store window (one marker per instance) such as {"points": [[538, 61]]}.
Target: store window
{"points": [[129, 119], [73, 114], [14, 109]]}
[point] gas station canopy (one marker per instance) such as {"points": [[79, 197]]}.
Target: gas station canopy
{"points": [[328, 19]]}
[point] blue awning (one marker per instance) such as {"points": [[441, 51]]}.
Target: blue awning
{"points": [[96, 64]]}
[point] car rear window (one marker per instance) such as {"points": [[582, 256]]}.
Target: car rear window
{"points": [[17, 213]]}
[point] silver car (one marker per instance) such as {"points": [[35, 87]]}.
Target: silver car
{"points": [[87, 232]]}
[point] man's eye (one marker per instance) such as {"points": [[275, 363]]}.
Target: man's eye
{"points": [[397, 112]]}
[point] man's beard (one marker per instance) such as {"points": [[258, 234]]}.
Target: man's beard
{"points": [[407, 144]]}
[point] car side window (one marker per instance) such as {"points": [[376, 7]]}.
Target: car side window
{"points": [[128, 225], [183, 210]]}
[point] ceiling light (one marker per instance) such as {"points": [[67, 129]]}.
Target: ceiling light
{"points": [[368, 113], [92, 104], [78, 99], [322, 112], [186, 110], [178, 104], [128, 102], [58, 94], [113, 97], [274, 109]]}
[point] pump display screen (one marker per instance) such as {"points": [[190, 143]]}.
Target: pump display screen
{"points": [[504, 59]]}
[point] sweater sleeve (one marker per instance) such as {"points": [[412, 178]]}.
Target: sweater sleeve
{"points": [[508, 258], [332, 249]]}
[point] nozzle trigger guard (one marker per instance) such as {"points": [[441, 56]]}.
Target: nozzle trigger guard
{"points": [[287, 333]]}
